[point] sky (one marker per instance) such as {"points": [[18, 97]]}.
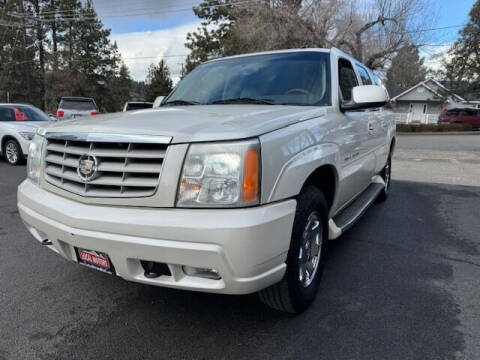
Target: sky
{"points": [[449, 13], [148, 30]]}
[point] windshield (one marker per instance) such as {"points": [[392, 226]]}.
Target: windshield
{"points": [[297, 78], [78, 104]]}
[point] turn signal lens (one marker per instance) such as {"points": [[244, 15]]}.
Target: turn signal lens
{"points": [[251, 176]]}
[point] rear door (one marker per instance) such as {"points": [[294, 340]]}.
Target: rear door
{"points": [[357, 157]]}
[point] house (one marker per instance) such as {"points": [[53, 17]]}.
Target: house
{"points": [[423, 103]]}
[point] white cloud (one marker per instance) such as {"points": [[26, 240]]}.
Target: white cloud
{"points": [[435, 55], [137, 48]]}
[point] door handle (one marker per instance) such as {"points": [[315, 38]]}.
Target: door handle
{"points": [[371, 127]]}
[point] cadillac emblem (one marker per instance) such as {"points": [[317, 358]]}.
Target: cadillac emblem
{"points": [[87, 167]]}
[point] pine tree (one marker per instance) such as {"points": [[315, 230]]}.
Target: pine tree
{"points": [[158, 81], [214, 37], [119, 88], [464, 67], [407, 69], [18, 70]]}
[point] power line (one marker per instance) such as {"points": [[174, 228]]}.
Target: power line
{"points": [[81, 17], [87, 60], [434, 29], [97, 9]]}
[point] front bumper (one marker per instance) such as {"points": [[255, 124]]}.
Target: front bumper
{"points": [[248, 247]]}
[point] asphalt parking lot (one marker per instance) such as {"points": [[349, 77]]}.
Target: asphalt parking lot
{"points": [[403, 283]]}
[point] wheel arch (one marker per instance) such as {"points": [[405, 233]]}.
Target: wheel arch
{"points": [[326, 179], [393, 143], [4, 140], [313, 166]]}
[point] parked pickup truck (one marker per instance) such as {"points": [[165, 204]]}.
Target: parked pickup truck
{"points": [[234, 185]]}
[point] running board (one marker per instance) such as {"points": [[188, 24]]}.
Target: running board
{"points": [[349, 216]]}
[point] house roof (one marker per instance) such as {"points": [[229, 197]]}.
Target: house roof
{"points": [[424, 84], [439, 84]]}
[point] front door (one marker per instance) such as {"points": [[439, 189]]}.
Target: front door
{"points": [[356, 151], [417, 111]]}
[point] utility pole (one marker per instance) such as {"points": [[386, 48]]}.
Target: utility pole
{"points": [[28, 74]]}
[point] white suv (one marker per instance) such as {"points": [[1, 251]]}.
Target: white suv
{"points": [[18, 125], [234, 185]]}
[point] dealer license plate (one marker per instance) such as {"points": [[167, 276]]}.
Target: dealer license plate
{"points": [[95, 259]]}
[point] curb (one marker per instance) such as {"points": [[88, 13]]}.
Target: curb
{"points": [[438, 133]]}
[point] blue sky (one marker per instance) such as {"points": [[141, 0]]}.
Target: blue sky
{"points": [[452, 12], [149, 30]]}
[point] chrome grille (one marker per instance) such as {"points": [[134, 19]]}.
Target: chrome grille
{"points": [[124, 169]]}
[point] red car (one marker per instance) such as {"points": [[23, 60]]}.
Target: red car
{"points": [[461, 116]]}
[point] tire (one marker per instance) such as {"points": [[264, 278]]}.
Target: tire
{"points": [[295, 292], [13, 152], [386, 175]]}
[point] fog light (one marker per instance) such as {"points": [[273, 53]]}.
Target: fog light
{"points": [[206, 273]]}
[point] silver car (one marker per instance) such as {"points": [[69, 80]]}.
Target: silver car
{"points": [[233, 186], [18, 125], [72, 107]]}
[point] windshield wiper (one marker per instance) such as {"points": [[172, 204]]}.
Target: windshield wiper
{"points": [[181, 102], [245, 100]]}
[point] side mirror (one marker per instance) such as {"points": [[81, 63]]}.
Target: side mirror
{"points": [[366, 96]]}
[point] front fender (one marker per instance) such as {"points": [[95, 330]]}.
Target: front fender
{"points": [[297, 169]]}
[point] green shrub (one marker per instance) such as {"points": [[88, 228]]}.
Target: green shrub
{"points": [[433, 127]]}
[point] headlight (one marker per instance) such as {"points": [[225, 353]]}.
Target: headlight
{"points": [[27, 135], [34, 163], [221, 175]]}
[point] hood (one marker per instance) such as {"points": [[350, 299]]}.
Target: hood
{"points": [[194, 123]]}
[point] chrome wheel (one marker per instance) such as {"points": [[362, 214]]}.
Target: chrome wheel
{"points": [[311, 249], [11, 152]]}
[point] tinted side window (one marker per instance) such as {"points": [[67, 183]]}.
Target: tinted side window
{"points": [[347, 79], [137, 106], [377, 80], [452, 112], [364, 75], [6, 114], [31, 114]]}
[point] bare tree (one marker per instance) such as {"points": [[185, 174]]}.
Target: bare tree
{"points": [[371, 30]]}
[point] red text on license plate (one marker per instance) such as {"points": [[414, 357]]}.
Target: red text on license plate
{"points": [[94, 259]]}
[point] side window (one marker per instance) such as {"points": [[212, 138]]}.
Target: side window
{"points": [[19, 115], [453, 112], [6, 114], [347, 79], [377, 80], [364, 75]]}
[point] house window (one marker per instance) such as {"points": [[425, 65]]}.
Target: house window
{"points": [[425, 108], [411, 108]]}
